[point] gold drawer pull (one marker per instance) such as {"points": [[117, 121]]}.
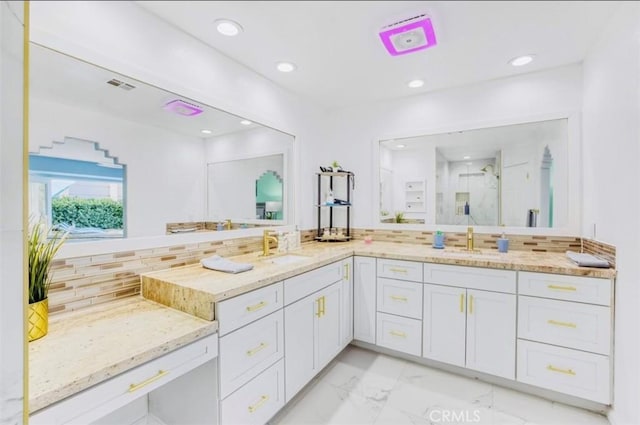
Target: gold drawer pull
{"points": [[258, 404], [136, 387], [345, 275], [259, 348], [256, 307], [397, 270], [398, 333], [470, 304], [557, 369], [461, 303], [567, 324], [398, 298], [562, 288], [321, 306]]}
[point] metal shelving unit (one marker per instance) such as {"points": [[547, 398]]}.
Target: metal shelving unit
{"points": [[333, 235]]}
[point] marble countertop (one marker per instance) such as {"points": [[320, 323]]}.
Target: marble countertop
{"points": [[195, 290], [87, 347]]}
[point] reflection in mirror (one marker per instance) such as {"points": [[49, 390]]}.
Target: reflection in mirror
{"points": [[512, 175], [165, 140], [77, 187]]}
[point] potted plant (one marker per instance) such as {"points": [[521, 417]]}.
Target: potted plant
{"points": [[41, 250], [399, 217]]}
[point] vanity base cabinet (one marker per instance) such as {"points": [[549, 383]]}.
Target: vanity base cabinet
{"points": [[364, 299], [399, 333], [444, 326]]}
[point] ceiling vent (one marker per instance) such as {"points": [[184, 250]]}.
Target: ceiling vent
{"points": [[408, 36], [182, 107], [121, 84]]}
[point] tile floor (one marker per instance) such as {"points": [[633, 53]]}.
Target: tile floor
{"points": [[363, 387]]}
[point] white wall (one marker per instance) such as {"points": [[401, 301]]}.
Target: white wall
{"points": [[165, 171], [12, 333], [529, 97], [611, 190]]}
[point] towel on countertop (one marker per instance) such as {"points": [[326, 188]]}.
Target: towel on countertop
{"points": [[218, 263], [587, 260]]}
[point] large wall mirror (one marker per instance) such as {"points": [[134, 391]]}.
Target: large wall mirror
{"points": [[99, 139], [512, 175]]}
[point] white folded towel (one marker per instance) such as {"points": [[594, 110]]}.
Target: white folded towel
{"points": [[587, 260], [218, 263]]}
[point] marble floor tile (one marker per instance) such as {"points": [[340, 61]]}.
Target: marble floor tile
{"points": [[364, 387]]}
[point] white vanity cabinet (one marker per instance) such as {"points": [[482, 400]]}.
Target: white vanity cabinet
{"points": [[185, 378], [470, 318], [316, 315], [364, 299], [565, 334]]}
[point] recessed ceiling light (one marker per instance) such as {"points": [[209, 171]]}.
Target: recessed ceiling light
{"points": [[285, 66], [414, 84], [521, 60], [466, 157], [246, 122], [205, 131], [401, 146], [228, 27]]}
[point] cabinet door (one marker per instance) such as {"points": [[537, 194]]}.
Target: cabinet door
{"points": [[444, 324], [347, 301], [299, 347], [491, 332], [364, 299], [329, 324]]}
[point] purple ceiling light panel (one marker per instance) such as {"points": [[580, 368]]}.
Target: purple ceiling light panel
{"points": [[408, 36], [181, 107]]}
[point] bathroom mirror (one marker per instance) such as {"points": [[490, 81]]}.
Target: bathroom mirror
{"points": [[512, 175], [165, 140]]}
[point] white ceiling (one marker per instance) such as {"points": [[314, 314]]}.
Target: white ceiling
{"points": [[341, 61]]}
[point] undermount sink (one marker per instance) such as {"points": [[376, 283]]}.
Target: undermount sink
{"points": [[286, 259], [478, 255]]}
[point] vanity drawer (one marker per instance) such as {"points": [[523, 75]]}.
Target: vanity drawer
{"points": [[399, 333], [398, 269], [571, 288], [471, 277], [573, 372], [249, 350], [574, 325], [307, 283], [103, 398], [237, 312], [256, 402], [399, 297]]}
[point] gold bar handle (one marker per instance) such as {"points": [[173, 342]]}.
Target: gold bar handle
{"points": [[398, 333], [259, 348], [319, 311], [557, 323], [470, 304], [559, 370], [461, 303], [258, 404], [256, 307], [398, 298], [397, 270], [345, 275], [562, 288], [324, 300], [136, 387]]}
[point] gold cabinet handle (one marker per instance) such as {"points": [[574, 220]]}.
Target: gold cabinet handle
{"points": [[562, 288], [319, 311], [566, 324], [470, 304], [345, 275], [258, 404], [324, 300], [136, 387], [461, 303], [398, 298], [398, 333], [559, 370], [259, 348], [398, 270], [256, 307]]}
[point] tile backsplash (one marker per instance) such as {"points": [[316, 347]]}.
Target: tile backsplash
{"points": [[81, 282]]}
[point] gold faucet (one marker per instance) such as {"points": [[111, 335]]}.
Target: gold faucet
{"points": [[470, 238], [227, 224], [267, 237]]}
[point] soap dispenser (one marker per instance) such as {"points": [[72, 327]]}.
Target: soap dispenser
{"points": [[503, 243]]}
